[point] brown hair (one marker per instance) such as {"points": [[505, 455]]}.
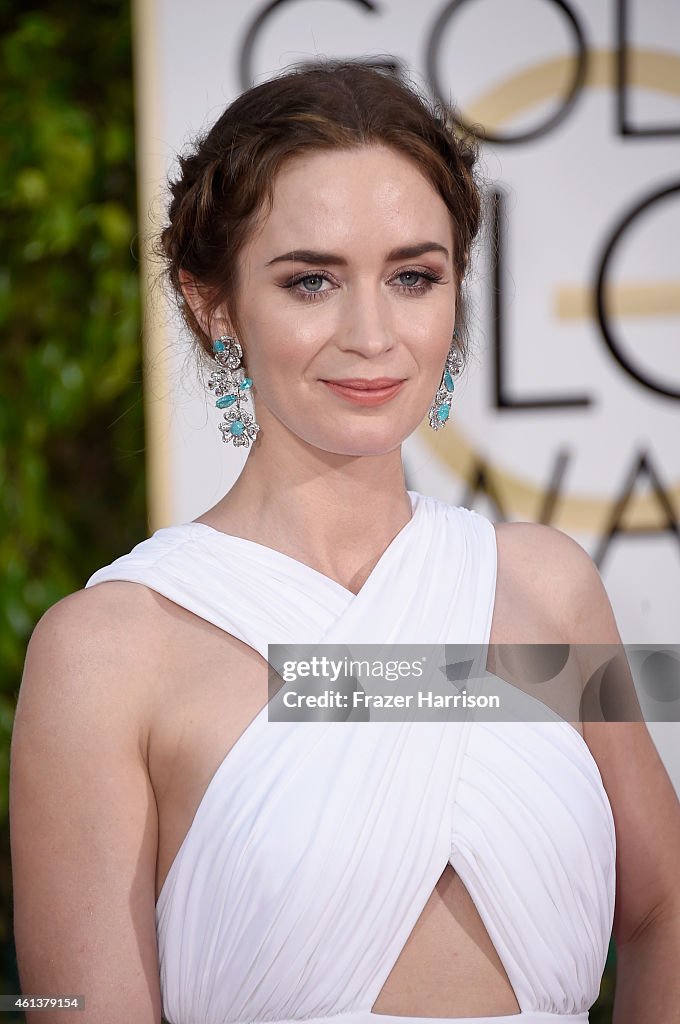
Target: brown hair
{"points": [[226, 181]]}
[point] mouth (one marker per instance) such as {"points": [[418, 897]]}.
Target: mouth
{"points": [[366, 392]]}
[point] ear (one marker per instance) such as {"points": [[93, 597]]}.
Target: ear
{"points": [[194, 300], [212, 326]]}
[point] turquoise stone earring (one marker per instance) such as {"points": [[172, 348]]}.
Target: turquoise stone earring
{"points": [[230, 386], [441, 406]]}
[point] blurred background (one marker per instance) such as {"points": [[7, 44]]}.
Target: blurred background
{"points": [[72, 444], [568, 413]]}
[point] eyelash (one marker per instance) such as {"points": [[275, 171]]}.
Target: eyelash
{"points": [[430, 276]]}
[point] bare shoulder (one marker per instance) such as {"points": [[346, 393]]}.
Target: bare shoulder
{"points": [[83, 818], [111, 605], [107, 638], [558, 573], [551, 586], [108, 607], [530, 544]]}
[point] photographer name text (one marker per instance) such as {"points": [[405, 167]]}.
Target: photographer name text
{"points": [[360, 699]]}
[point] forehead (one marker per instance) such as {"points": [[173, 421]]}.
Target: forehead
{"points": [[334, 198]]}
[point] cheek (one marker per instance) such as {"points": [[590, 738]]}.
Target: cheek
{"points": [[278, 363], [285, 346]]}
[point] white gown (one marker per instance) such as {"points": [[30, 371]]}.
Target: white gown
{"points": [[316, 845]]}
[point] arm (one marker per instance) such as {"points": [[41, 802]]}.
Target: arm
{"points": [[83, 819], [647, 818], [646, 926]]}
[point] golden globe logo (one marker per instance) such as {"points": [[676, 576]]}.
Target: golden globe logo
{"points": [[537, 450]]}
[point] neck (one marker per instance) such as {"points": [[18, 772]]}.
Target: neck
{"points": [[337, 513]]}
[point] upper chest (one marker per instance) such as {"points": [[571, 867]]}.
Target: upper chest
{"points": [[210, 686]]}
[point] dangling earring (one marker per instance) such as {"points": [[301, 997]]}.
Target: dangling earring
{"points": [[441, 406], [230, 386]]}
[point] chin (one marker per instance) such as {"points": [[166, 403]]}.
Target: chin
{"points": [[348, 436], [361, 444]]}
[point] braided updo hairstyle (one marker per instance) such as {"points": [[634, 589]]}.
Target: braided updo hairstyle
{"points": [[225, 183]]}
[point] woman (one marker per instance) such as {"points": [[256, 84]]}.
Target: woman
{"points": [[173, 851]]}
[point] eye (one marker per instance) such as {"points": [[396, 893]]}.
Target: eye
{"points": [[428, 279], [315, 279], [308, 287]]}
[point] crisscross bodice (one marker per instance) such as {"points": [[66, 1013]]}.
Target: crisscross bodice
{"points": [[317, 844]]}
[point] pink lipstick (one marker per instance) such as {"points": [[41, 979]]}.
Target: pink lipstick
{"points": [[365, 392]]}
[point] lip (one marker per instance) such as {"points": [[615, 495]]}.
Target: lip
{"points": [[364, 383], [366, 392]]}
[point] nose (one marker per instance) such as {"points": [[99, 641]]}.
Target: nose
{"points": [[366, 326]]}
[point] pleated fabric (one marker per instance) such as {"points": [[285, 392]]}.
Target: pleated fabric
{"points": [[317, 845]]}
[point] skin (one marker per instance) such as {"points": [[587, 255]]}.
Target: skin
{"points": [[122, 719], [319, 462]]}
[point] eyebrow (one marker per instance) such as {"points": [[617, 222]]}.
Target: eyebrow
{"points": [[404, 252]]}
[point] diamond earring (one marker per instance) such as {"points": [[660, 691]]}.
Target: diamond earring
{"points": [[230, 386], [441, 405]]}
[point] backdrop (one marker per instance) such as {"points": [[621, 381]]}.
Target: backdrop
{"points": [[568, 413]]}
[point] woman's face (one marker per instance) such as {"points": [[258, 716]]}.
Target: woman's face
{"points": [[348, 304]]}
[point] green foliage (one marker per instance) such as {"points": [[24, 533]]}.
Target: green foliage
{"points": [[71, 424], [72, 473], [601, 1013]]}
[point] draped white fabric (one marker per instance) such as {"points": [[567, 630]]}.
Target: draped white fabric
{"points": [[317, 844]]}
